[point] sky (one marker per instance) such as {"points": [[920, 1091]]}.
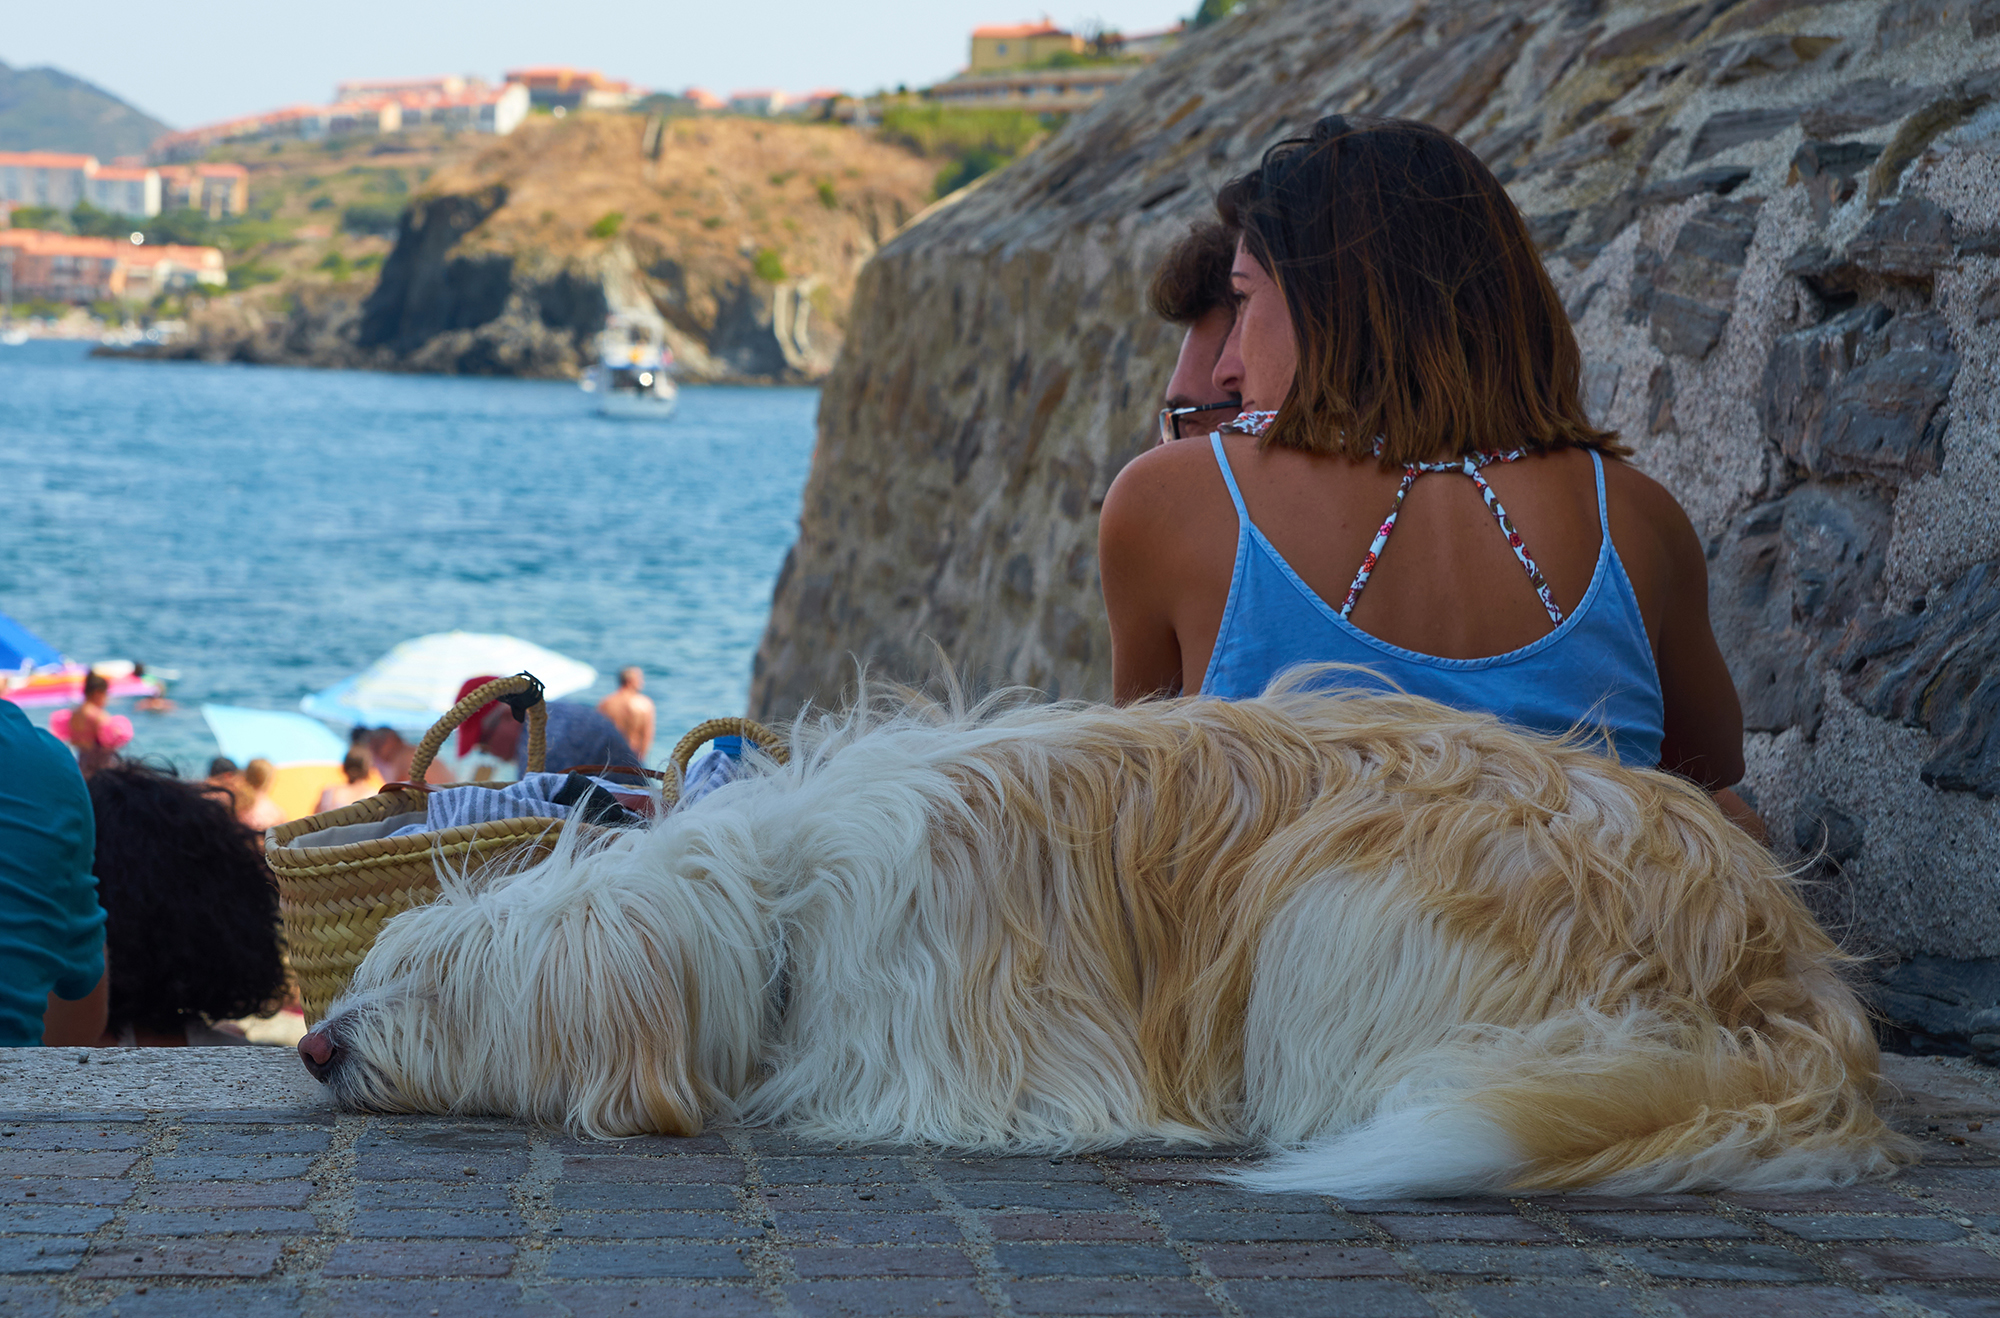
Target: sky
{"points": [[203, 60]]}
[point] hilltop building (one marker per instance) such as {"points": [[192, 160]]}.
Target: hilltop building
{"points": [[61, 181], [61, 267], [473, 107], [998, 47], [560, 86], [1041, 67], [217, 189]]}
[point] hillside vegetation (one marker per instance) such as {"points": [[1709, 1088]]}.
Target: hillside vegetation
{"points": [[467, 253]]}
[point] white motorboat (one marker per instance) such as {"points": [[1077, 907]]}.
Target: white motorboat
{"points": [[632, 376]]}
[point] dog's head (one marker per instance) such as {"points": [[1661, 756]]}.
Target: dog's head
{"points": [[590, 991]]}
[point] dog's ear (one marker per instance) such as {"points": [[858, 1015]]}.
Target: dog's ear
{"points": [[616, 997]]}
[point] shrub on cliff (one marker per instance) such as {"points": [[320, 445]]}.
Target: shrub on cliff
{"points": [[972, 142]]}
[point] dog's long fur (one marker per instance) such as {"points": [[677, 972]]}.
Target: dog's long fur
{"points": [[1414, 951]]}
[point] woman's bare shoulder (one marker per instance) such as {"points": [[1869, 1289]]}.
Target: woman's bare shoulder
{"points": [[1643, 509], [1165, 481]]}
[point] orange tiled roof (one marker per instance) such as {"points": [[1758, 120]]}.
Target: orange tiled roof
{"points": [[1018, 31], [221, 171], [120, 174], [46, 160]]}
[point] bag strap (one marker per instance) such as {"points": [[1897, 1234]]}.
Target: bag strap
{"points": [[522, 693]]}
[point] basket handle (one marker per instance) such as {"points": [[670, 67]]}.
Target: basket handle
{"points": [[526, 691], [702, 733]]}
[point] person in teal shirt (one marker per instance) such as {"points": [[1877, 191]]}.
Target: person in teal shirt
{"points": [[51, 926]]}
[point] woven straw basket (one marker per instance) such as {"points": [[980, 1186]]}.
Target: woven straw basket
{"points": [[335, 899]]}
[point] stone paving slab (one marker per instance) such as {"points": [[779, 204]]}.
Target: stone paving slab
{"points": [[217, 1182]]}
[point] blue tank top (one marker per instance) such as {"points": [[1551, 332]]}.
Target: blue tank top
{"points": [[1594, 670]]}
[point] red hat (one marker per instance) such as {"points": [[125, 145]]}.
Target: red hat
{"points": [[468, 731]]}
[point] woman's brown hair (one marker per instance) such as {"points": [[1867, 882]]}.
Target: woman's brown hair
{"points": [[1421, 309]]}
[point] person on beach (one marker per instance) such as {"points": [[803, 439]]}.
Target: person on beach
{"points": [[52, 983], [577, 734], [90, 729], [359, 783], [257, 810], [156, 704], [630, 712], [1191, 289], [192, 930], [1413, 486], [391, 757]]}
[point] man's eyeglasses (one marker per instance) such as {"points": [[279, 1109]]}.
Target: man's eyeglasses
{"points": [[1180, 422]]}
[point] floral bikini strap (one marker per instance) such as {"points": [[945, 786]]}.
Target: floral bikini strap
{"points": [[1256, 423]]}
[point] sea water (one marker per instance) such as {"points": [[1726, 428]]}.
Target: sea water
{"points": [[268, 531]]}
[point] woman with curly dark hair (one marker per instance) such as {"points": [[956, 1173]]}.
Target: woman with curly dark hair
{"points": [[192, 926]]}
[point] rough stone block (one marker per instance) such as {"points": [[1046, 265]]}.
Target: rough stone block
{"points": [[1685, 327], [1918, 1263], [577, 1260], [446, 1299], [1019, 1169], [658, 1145], [420, 1258], [1762, 56], [1109, 1297], [1772, 1302], [1329, 1299], [240, 1141], [649, 1198], [1467, 1226], [142, 1257], [70, 1137], [53, 1220], [1722, 1263], [436, 1224], [1372, 1207], [1522, 1261], [1198, 1198], [29, 1255], [1940, 670], [911, 1228], [170, 1301], [1951, 1303], [1849, 1227], [231, 1194], [37, 1191], [868, 1299], [55, 1163], [223, 1168], [472, 1165], [997, 1195], [1096, 1259], [1068, 1226], [1268, 1226], [636, 1226], [26, 1299], [916, 1261], [1861, 104], [858, 1198], [833, 1171], [1549, 1302], [669, 1300], [1298, 1261], [1633, 1203], [1733, 128], [1661, 1226], [625, 1169], [222, 1222]]}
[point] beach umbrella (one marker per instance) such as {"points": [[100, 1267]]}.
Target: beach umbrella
{"points": [[412, 686], [272, 734], [21, 648]]}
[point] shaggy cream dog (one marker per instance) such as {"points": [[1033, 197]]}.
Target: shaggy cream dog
{"points": [[1410, 950]]}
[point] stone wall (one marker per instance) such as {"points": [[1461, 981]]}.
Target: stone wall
{"points": [[1777, 226]]}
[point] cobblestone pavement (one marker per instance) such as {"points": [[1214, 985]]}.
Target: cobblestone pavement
{"points": [[234, 1210]]}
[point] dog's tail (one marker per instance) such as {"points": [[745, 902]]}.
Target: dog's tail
{"points": [[1622, 1104]]}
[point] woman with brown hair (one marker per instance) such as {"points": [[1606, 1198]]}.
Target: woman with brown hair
{"points": [[1410, 392]]}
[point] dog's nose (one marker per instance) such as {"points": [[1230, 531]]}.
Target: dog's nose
{"points": [[317, 1051]]}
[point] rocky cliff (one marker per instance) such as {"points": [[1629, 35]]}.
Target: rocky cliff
{"points": [[744, 236], [1777, 227]]}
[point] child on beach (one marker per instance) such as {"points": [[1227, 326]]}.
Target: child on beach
{"points": [[1413, 486]]}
